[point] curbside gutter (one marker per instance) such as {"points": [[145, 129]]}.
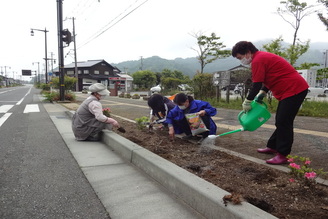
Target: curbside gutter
{"points": [[201, 195]]}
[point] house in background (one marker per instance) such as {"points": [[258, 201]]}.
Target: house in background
{"points": [[310, 75], [98, 71]]}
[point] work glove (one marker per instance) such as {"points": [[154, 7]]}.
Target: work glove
{"points": [[247, 105], [113, 122], [259, 97]]}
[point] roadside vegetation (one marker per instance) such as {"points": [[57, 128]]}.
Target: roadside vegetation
{"points": [[309, 108], [51, 90]]}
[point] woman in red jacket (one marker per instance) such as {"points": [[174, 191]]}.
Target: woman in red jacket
{"points": [[274, 73]]}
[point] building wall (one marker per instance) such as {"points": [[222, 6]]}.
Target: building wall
{"points": [[310, 75]]}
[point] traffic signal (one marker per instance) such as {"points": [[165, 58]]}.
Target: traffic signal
{"points": [[66, 36]]}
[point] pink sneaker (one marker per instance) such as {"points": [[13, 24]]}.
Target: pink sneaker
{"points": [[266, 151], [278, 159]]}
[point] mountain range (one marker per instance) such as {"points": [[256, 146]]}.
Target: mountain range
{"points": [[189, 66]]}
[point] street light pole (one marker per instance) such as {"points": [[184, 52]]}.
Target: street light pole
{"points": [[45, 46], [38, 75]]}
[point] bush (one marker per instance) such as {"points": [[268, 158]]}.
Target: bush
{"points": [[135, 96], [55, 96], [44, 86], [50, 96], [141, 122]]}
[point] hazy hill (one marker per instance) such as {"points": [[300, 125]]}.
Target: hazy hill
{"points": [[189, 66]]}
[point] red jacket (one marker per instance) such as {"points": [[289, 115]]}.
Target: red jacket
{"points": [[277, 75]]}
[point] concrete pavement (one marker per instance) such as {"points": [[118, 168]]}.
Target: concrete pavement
{"points": [[124, 190], [132, 182]]}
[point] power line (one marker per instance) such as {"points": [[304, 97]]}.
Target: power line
{"points": [[107, 27]]}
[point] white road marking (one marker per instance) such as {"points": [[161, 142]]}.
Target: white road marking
{"points": [[4, 118], [19, 102], [31, 108], [5, 108]]}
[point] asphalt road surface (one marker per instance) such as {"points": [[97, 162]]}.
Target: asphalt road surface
{"points": [[39, 178]]}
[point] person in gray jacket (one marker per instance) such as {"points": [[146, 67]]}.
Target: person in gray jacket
{"points": [[89, 120]]}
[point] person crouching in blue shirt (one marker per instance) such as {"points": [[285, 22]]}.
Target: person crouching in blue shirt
{"points": [[160, 107], [185, 104]]}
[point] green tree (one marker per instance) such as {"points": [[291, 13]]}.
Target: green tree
{"points": [[291, 53], [209, 49], [322, 74], [324, 19], [144, 79], [294, 12], [203, 85], [69, 83], [275, 47], [173, 74], [306, 65], [170, 83]]}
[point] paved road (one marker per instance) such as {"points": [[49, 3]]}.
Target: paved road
{"points": [[39, 178], [311, 134]]}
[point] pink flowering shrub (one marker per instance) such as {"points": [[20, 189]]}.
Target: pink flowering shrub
{"points": [[301, 172], [106, 111]]}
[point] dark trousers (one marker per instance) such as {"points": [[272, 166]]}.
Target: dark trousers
{"points": [[283, 137]]}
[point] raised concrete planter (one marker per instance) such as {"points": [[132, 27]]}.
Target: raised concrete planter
{"points": [[201, 195]]}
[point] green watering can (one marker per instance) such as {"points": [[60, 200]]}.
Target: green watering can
{"points": [[251, 120]]}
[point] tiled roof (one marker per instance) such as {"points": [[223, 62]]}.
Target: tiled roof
{"points": [[88, 63]]}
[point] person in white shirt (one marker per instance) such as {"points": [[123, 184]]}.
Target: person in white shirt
{"points": [[89, 120]]}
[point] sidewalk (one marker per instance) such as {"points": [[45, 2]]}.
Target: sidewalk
{"points": [[132, 182], [125, 191]]}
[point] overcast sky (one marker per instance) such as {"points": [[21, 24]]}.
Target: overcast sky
{"points": [[125, 30]]}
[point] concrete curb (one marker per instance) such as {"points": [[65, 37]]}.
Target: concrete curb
{"points": [[201, 195]]}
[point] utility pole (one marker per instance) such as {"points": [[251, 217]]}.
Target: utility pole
{"points": [[326, 65], [38, 75], [60, 49], [52, 63], [141, 64], [75, 58]]}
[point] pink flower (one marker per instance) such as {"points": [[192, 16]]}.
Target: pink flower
{"points": [[290, 160], [295, 166], [291, 180], [106, 109], [307, 162], [310, 175]]}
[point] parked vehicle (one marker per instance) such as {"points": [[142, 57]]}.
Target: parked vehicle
{"points": [[317, 90], [231, 87], [239, 88]]}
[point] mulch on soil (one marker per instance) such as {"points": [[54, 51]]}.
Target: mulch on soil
{"points": [[264, 187]]}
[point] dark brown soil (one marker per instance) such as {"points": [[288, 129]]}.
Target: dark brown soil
{"points": [[262, 186]]}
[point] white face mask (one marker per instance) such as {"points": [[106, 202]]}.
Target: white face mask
{"points": [[101, 97], [246, 61], [183, 107]]}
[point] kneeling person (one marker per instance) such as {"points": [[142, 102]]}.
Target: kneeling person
{"points": [[176, 118], [89, 120]]}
